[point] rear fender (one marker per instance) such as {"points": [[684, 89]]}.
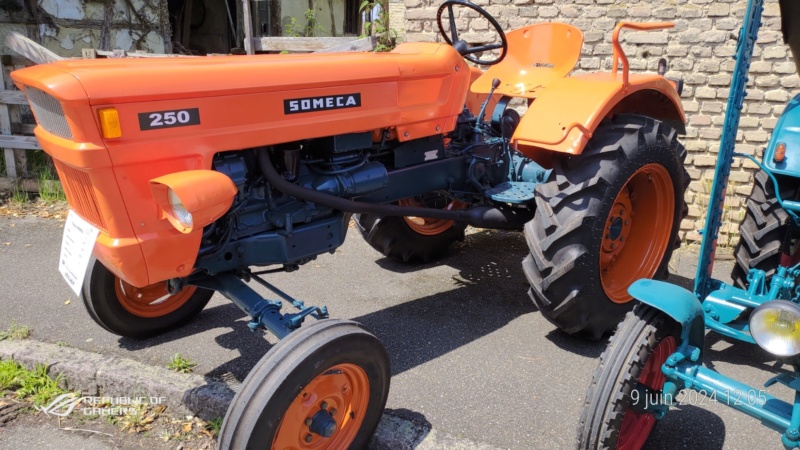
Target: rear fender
{"points": [[676, 302], [565, 113]]}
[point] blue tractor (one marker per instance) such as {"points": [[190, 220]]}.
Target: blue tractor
{"points": [[657, 351]]}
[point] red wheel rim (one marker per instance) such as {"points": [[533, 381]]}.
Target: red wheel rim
{"points": [[427, 226], [150, 301], [636, 426], [637, 230], [344, 392]]}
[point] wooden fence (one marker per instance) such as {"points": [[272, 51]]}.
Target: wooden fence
{"points": [[16, 120]]}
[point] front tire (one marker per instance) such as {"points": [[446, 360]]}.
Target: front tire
{"points": [[763, 230], [329, 375], [412, 239], [635, 354], [128, 311], [606, 218]]}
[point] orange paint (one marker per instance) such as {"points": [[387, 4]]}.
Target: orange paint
{"points": [[344, 391], [636, 232], [565, 110], [417, 90], [150, 301], [427, 226], [205, 194], [537, 55]]}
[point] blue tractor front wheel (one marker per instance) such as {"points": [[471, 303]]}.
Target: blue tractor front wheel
{"points": [[622, 402]]}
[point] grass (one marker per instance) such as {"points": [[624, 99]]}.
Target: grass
{"points": [[41, 166], [49, 188], [16, 332], [181, 364], [35, 385], [137, 418], [213, 426], [19, 196]]}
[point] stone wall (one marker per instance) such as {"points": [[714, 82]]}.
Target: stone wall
{"points": [[699, 50]]}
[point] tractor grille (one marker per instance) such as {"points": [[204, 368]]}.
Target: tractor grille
{"points": [[80, 194], [48, 112]]}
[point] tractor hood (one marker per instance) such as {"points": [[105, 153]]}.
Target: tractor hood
{"points": [[125, 80]]}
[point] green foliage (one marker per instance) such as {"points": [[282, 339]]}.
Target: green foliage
{"points": [[49, 188], [16, 332], [10, 372], [378, 27], [308, 29], [34, 385], [19, 196], [180, 364], [214, 425]]}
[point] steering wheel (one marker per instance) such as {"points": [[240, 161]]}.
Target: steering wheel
{"points": [[463, 47]]}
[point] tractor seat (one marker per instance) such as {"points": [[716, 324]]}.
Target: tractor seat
{"points": [[537, 54]]}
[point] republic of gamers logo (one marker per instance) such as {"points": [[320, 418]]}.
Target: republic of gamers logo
{"points": [[62, 406]]}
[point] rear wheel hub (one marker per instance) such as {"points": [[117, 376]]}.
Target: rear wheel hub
{"points": [[637, 230]]}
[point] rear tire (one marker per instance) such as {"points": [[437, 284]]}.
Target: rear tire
{"points": [[331, 364], [763, 230], [586, 246], [408, 239], [138, 312], [635, 354]]}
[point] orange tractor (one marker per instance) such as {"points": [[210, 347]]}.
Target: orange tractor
{"points": [[185, 174]]}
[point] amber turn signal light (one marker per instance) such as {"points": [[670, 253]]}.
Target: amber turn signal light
{"points": [[109, 123]]}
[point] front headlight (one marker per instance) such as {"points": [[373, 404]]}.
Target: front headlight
{"points": [[179, 210], [192, 199], [775, 326]]}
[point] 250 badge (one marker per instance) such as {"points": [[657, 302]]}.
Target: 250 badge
{"points": [[169, 119]]}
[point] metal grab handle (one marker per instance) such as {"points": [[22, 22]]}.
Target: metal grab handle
{"points": [[619, 54]]}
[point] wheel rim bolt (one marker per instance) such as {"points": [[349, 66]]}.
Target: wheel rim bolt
{"points": [[309, 438], [324, 405], [308, 422], [333, 411]]}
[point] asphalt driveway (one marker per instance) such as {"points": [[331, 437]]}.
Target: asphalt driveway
{"points": [[470, 354]]}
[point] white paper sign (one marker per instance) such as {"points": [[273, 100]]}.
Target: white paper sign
{"points": [[76, 250]]}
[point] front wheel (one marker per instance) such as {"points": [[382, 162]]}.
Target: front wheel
{"points": [[605, 219], [613, 415], [130, 311], [322, 387]]}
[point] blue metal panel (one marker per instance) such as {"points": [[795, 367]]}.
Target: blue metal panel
{"points": [[673, 300], [786, 131], [744, 53], [676, 302]]}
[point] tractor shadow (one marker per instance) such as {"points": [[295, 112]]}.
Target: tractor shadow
{"points": [[488, 292], [494, 292], [250, 346], [688, 426]]}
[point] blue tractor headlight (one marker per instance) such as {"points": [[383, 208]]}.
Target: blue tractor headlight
{"points": [[775, 326]]}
